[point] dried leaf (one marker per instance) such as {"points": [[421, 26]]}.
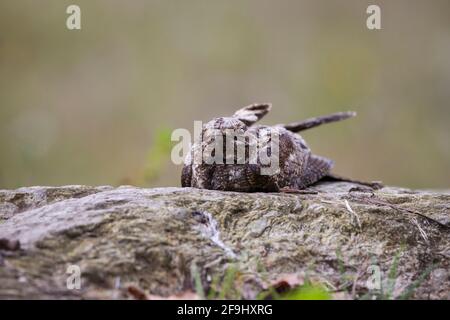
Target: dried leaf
{"points": [[137, 293], [286, 282]]}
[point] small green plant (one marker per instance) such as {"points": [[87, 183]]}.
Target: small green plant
{"points": [[197, 281], [227, 283], [386, 291], [158, 154], [346, 279], [308, 291], [214, 288], [340, 261], [218, 290], [224, 287], [409, 291]]}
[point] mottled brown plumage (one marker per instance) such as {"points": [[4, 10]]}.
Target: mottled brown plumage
{"points": [[299, 168]]}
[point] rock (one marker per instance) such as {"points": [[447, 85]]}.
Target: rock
{"points": [[170, 242]]}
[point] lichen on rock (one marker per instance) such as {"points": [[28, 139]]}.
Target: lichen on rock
{"points": [[152, 238]]}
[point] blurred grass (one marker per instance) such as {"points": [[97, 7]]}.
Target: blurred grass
{"points": [[83, 107], [158, 154]]}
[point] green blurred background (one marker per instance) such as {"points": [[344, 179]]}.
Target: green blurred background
{"points": [[97, 106]]}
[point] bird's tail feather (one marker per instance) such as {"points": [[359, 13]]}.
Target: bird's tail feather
{"points": [[317, 121]]}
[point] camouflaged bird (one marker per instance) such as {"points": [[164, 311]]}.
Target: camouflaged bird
{"points": [[298, 167]]}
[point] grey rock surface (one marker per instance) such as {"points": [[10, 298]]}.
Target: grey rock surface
{"points": [[160, 240]]}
